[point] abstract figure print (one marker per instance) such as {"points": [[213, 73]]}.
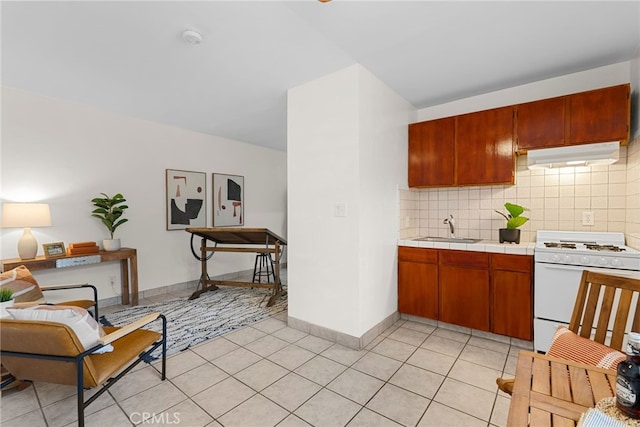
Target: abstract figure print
{"points": [[186, 192], [228, 200]]}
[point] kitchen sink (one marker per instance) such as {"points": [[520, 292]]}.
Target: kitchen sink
{"points": [[447, 239]]}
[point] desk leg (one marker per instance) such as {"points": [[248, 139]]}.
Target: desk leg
{"points": [[204, 276], [277, 286], [134, 279], [124, 278]]}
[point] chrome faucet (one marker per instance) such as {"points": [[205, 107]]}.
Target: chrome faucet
{"points": [[452, 225]]}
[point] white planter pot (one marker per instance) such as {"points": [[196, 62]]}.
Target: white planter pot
{"points": [[3, 308], [111, 244]]}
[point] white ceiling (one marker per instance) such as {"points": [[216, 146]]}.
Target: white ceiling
{"points": [[128, 57]]}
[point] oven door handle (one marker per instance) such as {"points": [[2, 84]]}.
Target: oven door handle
{"points": [[612, 271]]}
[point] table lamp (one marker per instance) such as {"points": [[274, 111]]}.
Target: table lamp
{"points": [[26, 215]]}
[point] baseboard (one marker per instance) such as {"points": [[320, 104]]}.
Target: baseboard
{"points": [[176, 287], [350, 341], [528, 345]]}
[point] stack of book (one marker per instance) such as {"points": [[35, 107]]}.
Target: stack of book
{"points": [[83, 248]]}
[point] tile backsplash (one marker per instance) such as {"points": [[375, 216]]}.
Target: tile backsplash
{"points": [[556, 200]]}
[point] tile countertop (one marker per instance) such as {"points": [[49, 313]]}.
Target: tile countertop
{"points": [[524, 248]]}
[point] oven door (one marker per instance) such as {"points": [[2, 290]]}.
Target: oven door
{"points": [[555, 290]]}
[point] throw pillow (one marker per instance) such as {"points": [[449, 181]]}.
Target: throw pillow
{"points": [[24, 286], [80, 320], [568, 345]]}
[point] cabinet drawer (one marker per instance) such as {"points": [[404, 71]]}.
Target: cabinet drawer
{"points": [[429, 256], [522, 263], [466, 259]]}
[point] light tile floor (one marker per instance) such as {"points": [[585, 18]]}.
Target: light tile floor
{"points": [[268, 374]]}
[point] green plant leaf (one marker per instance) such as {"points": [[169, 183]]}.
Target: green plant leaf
{"points": [[516, 222], [110, 210], [514, 210]]}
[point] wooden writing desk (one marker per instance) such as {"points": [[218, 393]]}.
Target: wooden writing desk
{"points": [[128, 264], [262, 240], [554, 392]]}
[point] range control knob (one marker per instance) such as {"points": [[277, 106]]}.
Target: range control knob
{"points": [[567, 259], [616, 262], [585, 260], [555, 258], [602, 261]]}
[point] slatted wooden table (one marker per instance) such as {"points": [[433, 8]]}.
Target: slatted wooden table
{"points": [[555, 392]]}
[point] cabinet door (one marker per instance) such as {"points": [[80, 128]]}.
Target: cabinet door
{"points": [[512, 295], [418, 289], [464, 296], [512, 313], [484, 147], [464, 288], [599, 115], [540, 124], [431, 153], [418, 282]]}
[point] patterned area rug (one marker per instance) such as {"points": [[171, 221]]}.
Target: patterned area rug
{"points": [[191, 322]]}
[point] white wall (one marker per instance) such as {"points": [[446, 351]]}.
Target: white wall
{"points": [[65, 154], [596, 78], [347, 142], [383, 167]]}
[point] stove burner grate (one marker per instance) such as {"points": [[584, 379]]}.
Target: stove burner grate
{"points": [[560, 245], [610, 248]]}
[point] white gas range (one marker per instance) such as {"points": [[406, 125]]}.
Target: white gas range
{"points": [[560, 257]]}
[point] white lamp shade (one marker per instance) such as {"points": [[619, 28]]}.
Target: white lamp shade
{"points": [[26, 215], [20, 215]]}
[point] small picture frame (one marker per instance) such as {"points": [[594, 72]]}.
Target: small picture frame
{"points": [[52, 250]]}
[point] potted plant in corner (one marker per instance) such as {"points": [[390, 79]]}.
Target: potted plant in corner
{"points": [[110, 210], [514, 220]]}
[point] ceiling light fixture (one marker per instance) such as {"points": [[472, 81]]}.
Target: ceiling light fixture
{"points": [[191, 37]]}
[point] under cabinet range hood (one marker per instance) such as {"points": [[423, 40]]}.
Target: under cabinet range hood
{"points": [[602, 153]]}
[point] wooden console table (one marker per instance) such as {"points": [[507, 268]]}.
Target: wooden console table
{"points": [[555, 392], [128, 265], [237, 239]]}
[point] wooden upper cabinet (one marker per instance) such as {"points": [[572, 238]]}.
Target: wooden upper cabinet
{"points": [[600, 115], [485, 147], [541, 124], [431, 153]]}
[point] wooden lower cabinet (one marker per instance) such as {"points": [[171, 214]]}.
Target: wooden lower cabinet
{"points": [[464, 288], [512, 295], [478, 290], [418, 282]]}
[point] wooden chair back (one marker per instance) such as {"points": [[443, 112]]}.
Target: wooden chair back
{"points": [[605, 300]]}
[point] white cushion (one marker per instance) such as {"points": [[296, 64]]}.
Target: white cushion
{"points": [[83, 324]]}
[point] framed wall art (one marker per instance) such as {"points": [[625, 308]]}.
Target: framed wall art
{"points": [[186, 199], [228, 200]]}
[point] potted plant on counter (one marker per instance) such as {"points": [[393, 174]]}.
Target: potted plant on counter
{"points": [[514, 220], [110, 210]]}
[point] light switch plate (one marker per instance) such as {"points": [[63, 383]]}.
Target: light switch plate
{"points": [[340, 210]]}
